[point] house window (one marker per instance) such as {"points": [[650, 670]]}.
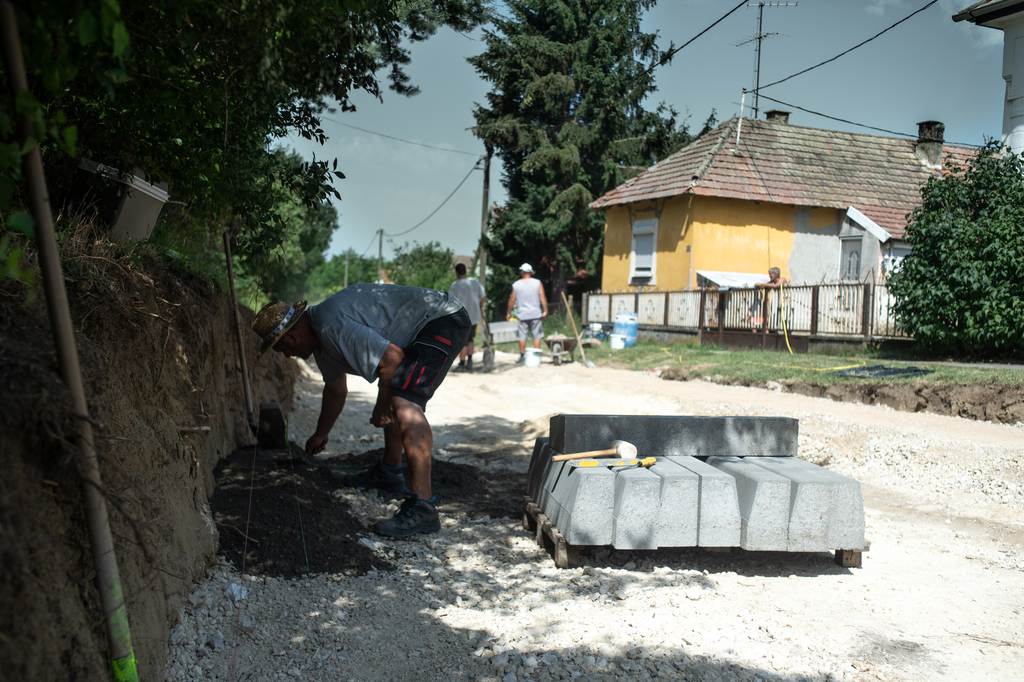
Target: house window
{"points": [[891, 262], [849, 258], [642, 255]]}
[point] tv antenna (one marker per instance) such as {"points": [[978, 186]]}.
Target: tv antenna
{"points": [[759, 37]]}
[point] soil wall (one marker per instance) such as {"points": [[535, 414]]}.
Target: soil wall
{"points": [[159, 359], [985, 401]]}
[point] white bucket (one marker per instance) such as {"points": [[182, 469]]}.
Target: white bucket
{"points": [[618, 341], [532, 357]]}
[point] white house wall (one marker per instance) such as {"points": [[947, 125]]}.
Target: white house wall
{"points": [[815, 254], [1013, 73]]}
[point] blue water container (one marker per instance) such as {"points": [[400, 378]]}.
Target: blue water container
{"points": [[626, 324]]}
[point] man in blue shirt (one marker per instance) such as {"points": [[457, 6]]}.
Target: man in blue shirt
{"points": [[406, 339]]}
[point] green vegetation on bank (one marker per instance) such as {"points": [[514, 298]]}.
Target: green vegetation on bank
{"points": [[200, 95]]}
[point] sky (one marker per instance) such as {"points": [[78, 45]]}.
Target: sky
{"points": [[927, 68]]}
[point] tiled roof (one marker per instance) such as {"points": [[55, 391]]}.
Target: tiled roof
{"points": [[782, 163]]}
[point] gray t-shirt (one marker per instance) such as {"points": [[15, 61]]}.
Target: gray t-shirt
{"points": [[528, 299], [356, 324], [469, 291]]}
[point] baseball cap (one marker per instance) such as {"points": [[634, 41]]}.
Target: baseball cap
{"points": [[526, 267]]}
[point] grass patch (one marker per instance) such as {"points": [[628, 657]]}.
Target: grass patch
{"points": [[758, 367]]}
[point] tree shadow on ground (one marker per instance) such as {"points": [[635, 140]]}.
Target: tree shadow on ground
{"points": [[389, 603], [352, 634]]}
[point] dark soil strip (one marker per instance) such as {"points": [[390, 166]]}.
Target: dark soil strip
{"points": [[985, 401], [330, 530], [276, 546]]}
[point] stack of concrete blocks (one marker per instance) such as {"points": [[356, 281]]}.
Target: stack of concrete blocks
{"points": [[718, 482]]}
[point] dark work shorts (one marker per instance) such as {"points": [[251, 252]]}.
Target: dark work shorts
{"points": [[429, 357]]}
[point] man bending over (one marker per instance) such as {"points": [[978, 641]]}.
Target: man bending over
{"points": [[405, 338]]}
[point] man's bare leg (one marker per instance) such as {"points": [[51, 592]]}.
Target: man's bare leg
{"points": [[467, 350], [392, 445], [522, 347], [418, 441]]}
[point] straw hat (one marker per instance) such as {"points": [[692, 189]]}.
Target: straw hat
{"points": [[274, 320]]}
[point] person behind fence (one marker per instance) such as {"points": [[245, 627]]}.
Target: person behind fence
{"points": [[471, 294], [775, 280], [528, 297], [406, 339]]}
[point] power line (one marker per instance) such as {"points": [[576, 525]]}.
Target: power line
{"points": [[372, 240], [439, 207], [841, 120], [847, 52], [398, 139], [853, 123], [667, 56]]}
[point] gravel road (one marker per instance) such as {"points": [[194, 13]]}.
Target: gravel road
{"points": [[940, 595]]}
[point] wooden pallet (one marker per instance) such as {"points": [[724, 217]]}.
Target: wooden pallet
{"points": [[851, 558], [548, 537], [568, 556]]}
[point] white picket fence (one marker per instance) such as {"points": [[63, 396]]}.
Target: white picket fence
{"points": [[825, 310]]}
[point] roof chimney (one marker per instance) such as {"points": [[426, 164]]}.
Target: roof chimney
{"points": [[776, 116], [929, 143]]}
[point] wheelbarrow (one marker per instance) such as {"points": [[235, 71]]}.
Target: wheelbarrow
{"points": [[560, 346]]}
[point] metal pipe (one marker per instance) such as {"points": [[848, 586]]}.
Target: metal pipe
{"points": [[115, 615], [739, 123], [238, 335], [380, 255]]}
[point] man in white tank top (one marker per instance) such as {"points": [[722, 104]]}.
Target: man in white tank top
{"points": [[528, 295]]}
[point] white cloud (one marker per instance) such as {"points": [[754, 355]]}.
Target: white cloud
{"points": [[981, 38], [878, 7]]}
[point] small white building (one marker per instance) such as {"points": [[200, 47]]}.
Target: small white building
{"points": [[1007, 16]]}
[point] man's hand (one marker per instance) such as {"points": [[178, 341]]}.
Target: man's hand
{"points": [[333, 403], [315, 444], [382, 416]]}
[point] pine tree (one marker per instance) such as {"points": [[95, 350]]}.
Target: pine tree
{"points": [[565, 116]]}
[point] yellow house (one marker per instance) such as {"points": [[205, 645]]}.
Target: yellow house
{"points": [[821, 205]]}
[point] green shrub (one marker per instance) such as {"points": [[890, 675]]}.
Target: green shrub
{"points": [[960, 291]]}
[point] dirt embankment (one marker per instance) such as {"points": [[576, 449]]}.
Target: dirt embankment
{"points": [[159, 359], [987, 401]]}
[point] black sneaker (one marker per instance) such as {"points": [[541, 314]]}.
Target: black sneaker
{"points": [[378, 476], [521, 360], [414, 516], [469, 364]]}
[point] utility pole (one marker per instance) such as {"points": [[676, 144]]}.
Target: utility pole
{"points": [[345, 284], [759, 37], [380, 254], [485, 219]]}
